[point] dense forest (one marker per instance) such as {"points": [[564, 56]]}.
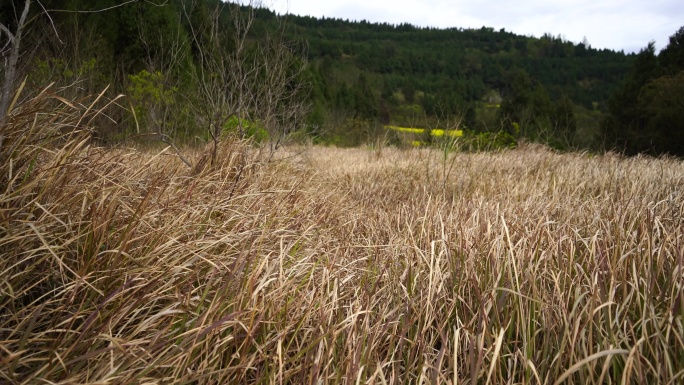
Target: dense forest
{"points": [[479, 79], [191, 71]]}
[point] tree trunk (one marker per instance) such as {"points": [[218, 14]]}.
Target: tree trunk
{"points": [[11, 65]]}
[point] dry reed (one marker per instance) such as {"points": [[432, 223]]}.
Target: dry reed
{"points": [[336, 266]]}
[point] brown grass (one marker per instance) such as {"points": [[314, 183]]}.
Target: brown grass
{"points": [[333, 266]]}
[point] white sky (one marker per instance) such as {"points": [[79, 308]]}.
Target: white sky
{"points": [[614, 24]]}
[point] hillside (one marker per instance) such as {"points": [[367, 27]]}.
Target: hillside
{"points": [[357, 76], [464, 64], [192, 71], [404, 75]]}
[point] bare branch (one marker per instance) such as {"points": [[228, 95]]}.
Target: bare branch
{"points": [[166, 139], [7, 31], [11, 69], [51, 21], [108, 8], [252, 80]]}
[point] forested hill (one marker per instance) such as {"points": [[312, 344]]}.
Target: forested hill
{"points": [[184, 67], [488, 79], [465, 63]]}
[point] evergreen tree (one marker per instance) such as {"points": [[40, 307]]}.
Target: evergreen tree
{"points": [[647, 113], [661, 104], [672, 57], [624, 128]]}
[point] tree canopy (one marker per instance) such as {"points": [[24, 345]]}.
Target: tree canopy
{"points": [[647, 111], [359, 75]]}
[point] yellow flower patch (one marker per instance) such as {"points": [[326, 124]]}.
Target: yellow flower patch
{"points": [[438, 132]]}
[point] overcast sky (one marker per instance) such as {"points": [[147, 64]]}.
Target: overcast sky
{"points": [[617, 24]]}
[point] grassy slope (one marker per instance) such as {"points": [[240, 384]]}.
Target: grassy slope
{"points": [[335, 265]]}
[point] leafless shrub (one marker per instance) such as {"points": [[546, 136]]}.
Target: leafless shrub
{"points": [[252, 80]]}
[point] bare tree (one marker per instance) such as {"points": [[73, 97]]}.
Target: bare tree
{"points": [[278, 102], [10, 54], [250, 79]]}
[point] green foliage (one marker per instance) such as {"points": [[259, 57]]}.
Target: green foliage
{"points": [[149, 87], [563, 116], [646, 112], [149, 94], [451, 72], [352, 132], [662, 104], [315, 122], [55, 68], [528, 111], [488, 141], [563, 121], [672, 57], [390, 74], [426, 137], [243, 127]]}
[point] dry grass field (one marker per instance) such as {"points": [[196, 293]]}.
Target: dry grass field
{"points": [[327, 265]]}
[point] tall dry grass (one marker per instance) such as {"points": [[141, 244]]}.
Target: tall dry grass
{"points": [[333, 266]]}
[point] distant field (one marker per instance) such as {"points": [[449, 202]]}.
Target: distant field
{"points": [[437, 132], [410, 135], [339, 266]]}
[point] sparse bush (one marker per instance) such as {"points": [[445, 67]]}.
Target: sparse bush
{"points": [[487, 141], [239, 127]]}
